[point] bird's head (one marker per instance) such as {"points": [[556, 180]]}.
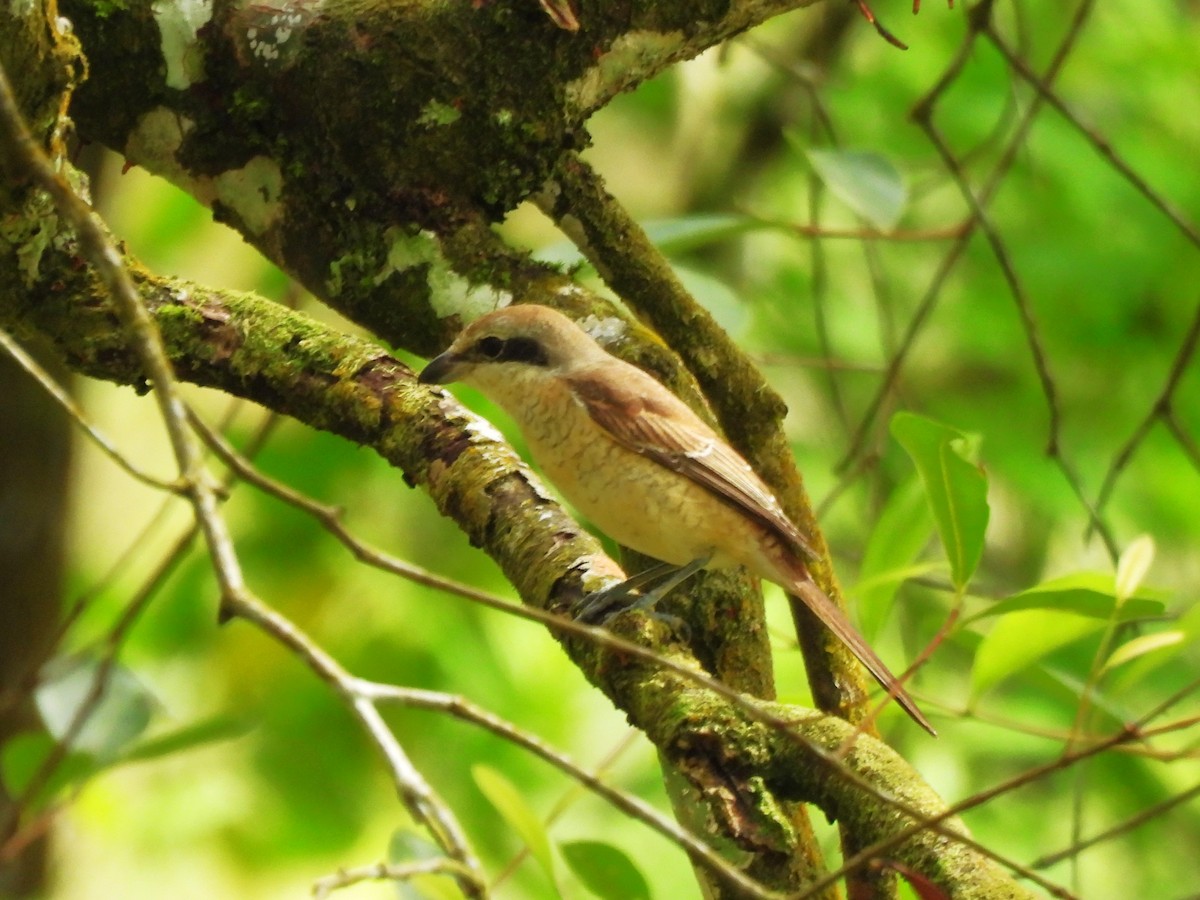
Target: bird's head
{"points": [[512, 344]]}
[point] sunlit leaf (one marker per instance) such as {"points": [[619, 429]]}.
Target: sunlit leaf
{"points": [[673, 236], [902, 530], [208, 731], [1140, 646], [681, 234], [1145, 667], [1086, 593], [115, 716], [1020, 639], [955, 485], [605, 870], [865, 181], [1133, 566], [511, 805]]}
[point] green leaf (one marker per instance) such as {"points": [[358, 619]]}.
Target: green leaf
{"points": [[673, 236], [1135, 672], [1085, 593], [507, 800], [902, 530], [865, 181], [121, 713], [207, 731], [1140, 646], [1020, 639], [1133, 566], [22, 756], [682, 234], [955, 485], [605, 870]]}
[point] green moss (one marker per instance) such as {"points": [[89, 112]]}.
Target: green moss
{"points": [[31, 232], [438, 113], [105, 8]]}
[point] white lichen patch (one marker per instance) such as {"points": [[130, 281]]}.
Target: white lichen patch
{"points": [[253, 192], [154, 144], [272, 30], [435, 113], [21, 9], [179, 22], [480, 426], [449, 292], [604, 330], [624, 63]]}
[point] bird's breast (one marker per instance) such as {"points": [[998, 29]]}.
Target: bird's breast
{"points": [[636, 501]]}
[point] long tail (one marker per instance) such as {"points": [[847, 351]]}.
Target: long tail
{"points": [[835, 620]]}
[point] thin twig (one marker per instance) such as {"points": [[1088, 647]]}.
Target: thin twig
{"points": [[77, 415], [1146, 815], [1160, 409], [416, 794], [1044, 89], [402, 872]]}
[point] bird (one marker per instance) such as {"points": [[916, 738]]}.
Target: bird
{"points": [[637, 462]]}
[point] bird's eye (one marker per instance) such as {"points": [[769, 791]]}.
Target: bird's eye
{"points": [[491, 347]]}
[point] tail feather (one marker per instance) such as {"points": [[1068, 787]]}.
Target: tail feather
{"points": [[835, 620]]}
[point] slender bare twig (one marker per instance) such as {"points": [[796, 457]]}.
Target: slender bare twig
{"points": [[108, 652], [1161, 409], [410, 785], [1146, 815], [343, 878], [77, 415], [977, 203], [1098, 142]]}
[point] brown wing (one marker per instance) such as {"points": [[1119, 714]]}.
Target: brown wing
{"points": [[644, 416]]}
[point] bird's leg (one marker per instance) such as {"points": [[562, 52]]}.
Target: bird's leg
{"points": [[599, 606]]}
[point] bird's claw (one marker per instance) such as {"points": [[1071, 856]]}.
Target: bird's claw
{"points": [[600, 606]]}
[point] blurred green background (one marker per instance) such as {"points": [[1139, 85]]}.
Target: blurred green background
{"points": [[717, 149]]}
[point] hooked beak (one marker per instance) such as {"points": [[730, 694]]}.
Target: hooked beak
{"points": [[441, 369]]}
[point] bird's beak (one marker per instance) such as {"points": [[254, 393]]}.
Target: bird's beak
{"points": [[441, 369]]}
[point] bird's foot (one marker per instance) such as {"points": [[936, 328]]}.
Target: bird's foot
{"points": [[600, 606]]}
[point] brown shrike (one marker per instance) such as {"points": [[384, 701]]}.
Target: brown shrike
{"points": [[636, 461]]}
